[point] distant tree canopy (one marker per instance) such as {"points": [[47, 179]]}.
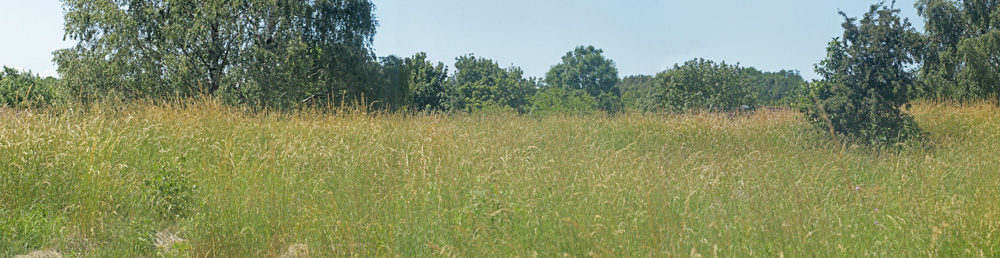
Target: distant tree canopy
{"points": [[866, 80], [703, 85], [480, 83], [427, 83], [776, 88], [644, 92], [391, 89], [636, 91], [250, 51], [635, 83], [284, 54], [586, 68], [961, 59]]}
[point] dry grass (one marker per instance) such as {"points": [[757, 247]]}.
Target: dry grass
{"points": [[340, 184]]}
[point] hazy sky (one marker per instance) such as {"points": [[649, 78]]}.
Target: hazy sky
{"points": [[641, 36]]}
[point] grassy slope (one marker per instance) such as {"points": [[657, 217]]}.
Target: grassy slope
{"points": [[100, 183]]}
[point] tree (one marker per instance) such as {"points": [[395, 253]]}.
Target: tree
{"points": [[960, 58], [702, 84], [585, 68], [981, 72], [426, 83], [866, 80], [251, 51], [480, 83]]}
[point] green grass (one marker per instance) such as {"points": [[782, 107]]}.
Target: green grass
{"points": [[102, 182]]}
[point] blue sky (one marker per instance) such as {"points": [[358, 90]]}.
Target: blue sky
{"points": [[641, 36]]}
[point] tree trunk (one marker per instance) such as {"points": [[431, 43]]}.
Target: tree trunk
{"points": [[214, 55]]}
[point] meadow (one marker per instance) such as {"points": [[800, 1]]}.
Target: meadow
{"points": [[202, 179]]}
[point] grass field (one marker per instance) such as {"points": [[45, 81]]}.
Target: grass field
{"points": [[206, 180]]}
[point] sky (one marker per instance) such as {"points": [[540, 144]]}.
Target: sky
{"points": [[641, 36]]}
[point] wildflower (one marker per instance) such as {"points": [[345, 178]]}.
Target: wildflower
{"points": [[857, 188]]}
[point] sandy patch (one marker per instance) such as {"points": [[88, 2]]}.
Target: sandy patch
{"points": [[296, 251], [40, 254]]}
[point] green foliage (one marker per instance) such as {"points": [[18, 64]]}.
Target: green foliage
{"points": [[559, 100], [585, 68], [426, 83], [637, 91], [960, 50], [635, 83], [704, 85], [480, 83], [262, 52], [23, 89], [866, 80], [981, 74], [392, 90], [776, 88]]}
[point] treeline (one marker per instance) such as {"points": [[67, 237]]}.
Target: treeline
{"points": [[585, 83], [292, 54], [706, 85]]}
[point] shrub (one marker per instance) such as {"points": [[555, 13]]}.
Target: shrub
{"points": [[24, 90], [703, 84], [836, 107], [560, 100]]}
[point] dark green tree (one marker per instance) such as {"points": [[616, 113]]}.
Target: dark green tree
{"points": [[585, 68], [866, 80], [252, 51], [480, 83]]}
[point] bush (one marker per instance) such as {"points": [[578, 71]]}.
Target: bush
{"points": [[559, 100], [864, 120], [706, 85], [24, 90]]}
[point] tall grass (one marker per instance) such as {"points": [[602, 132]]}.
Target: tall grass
{"points": [[104, 181]]}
